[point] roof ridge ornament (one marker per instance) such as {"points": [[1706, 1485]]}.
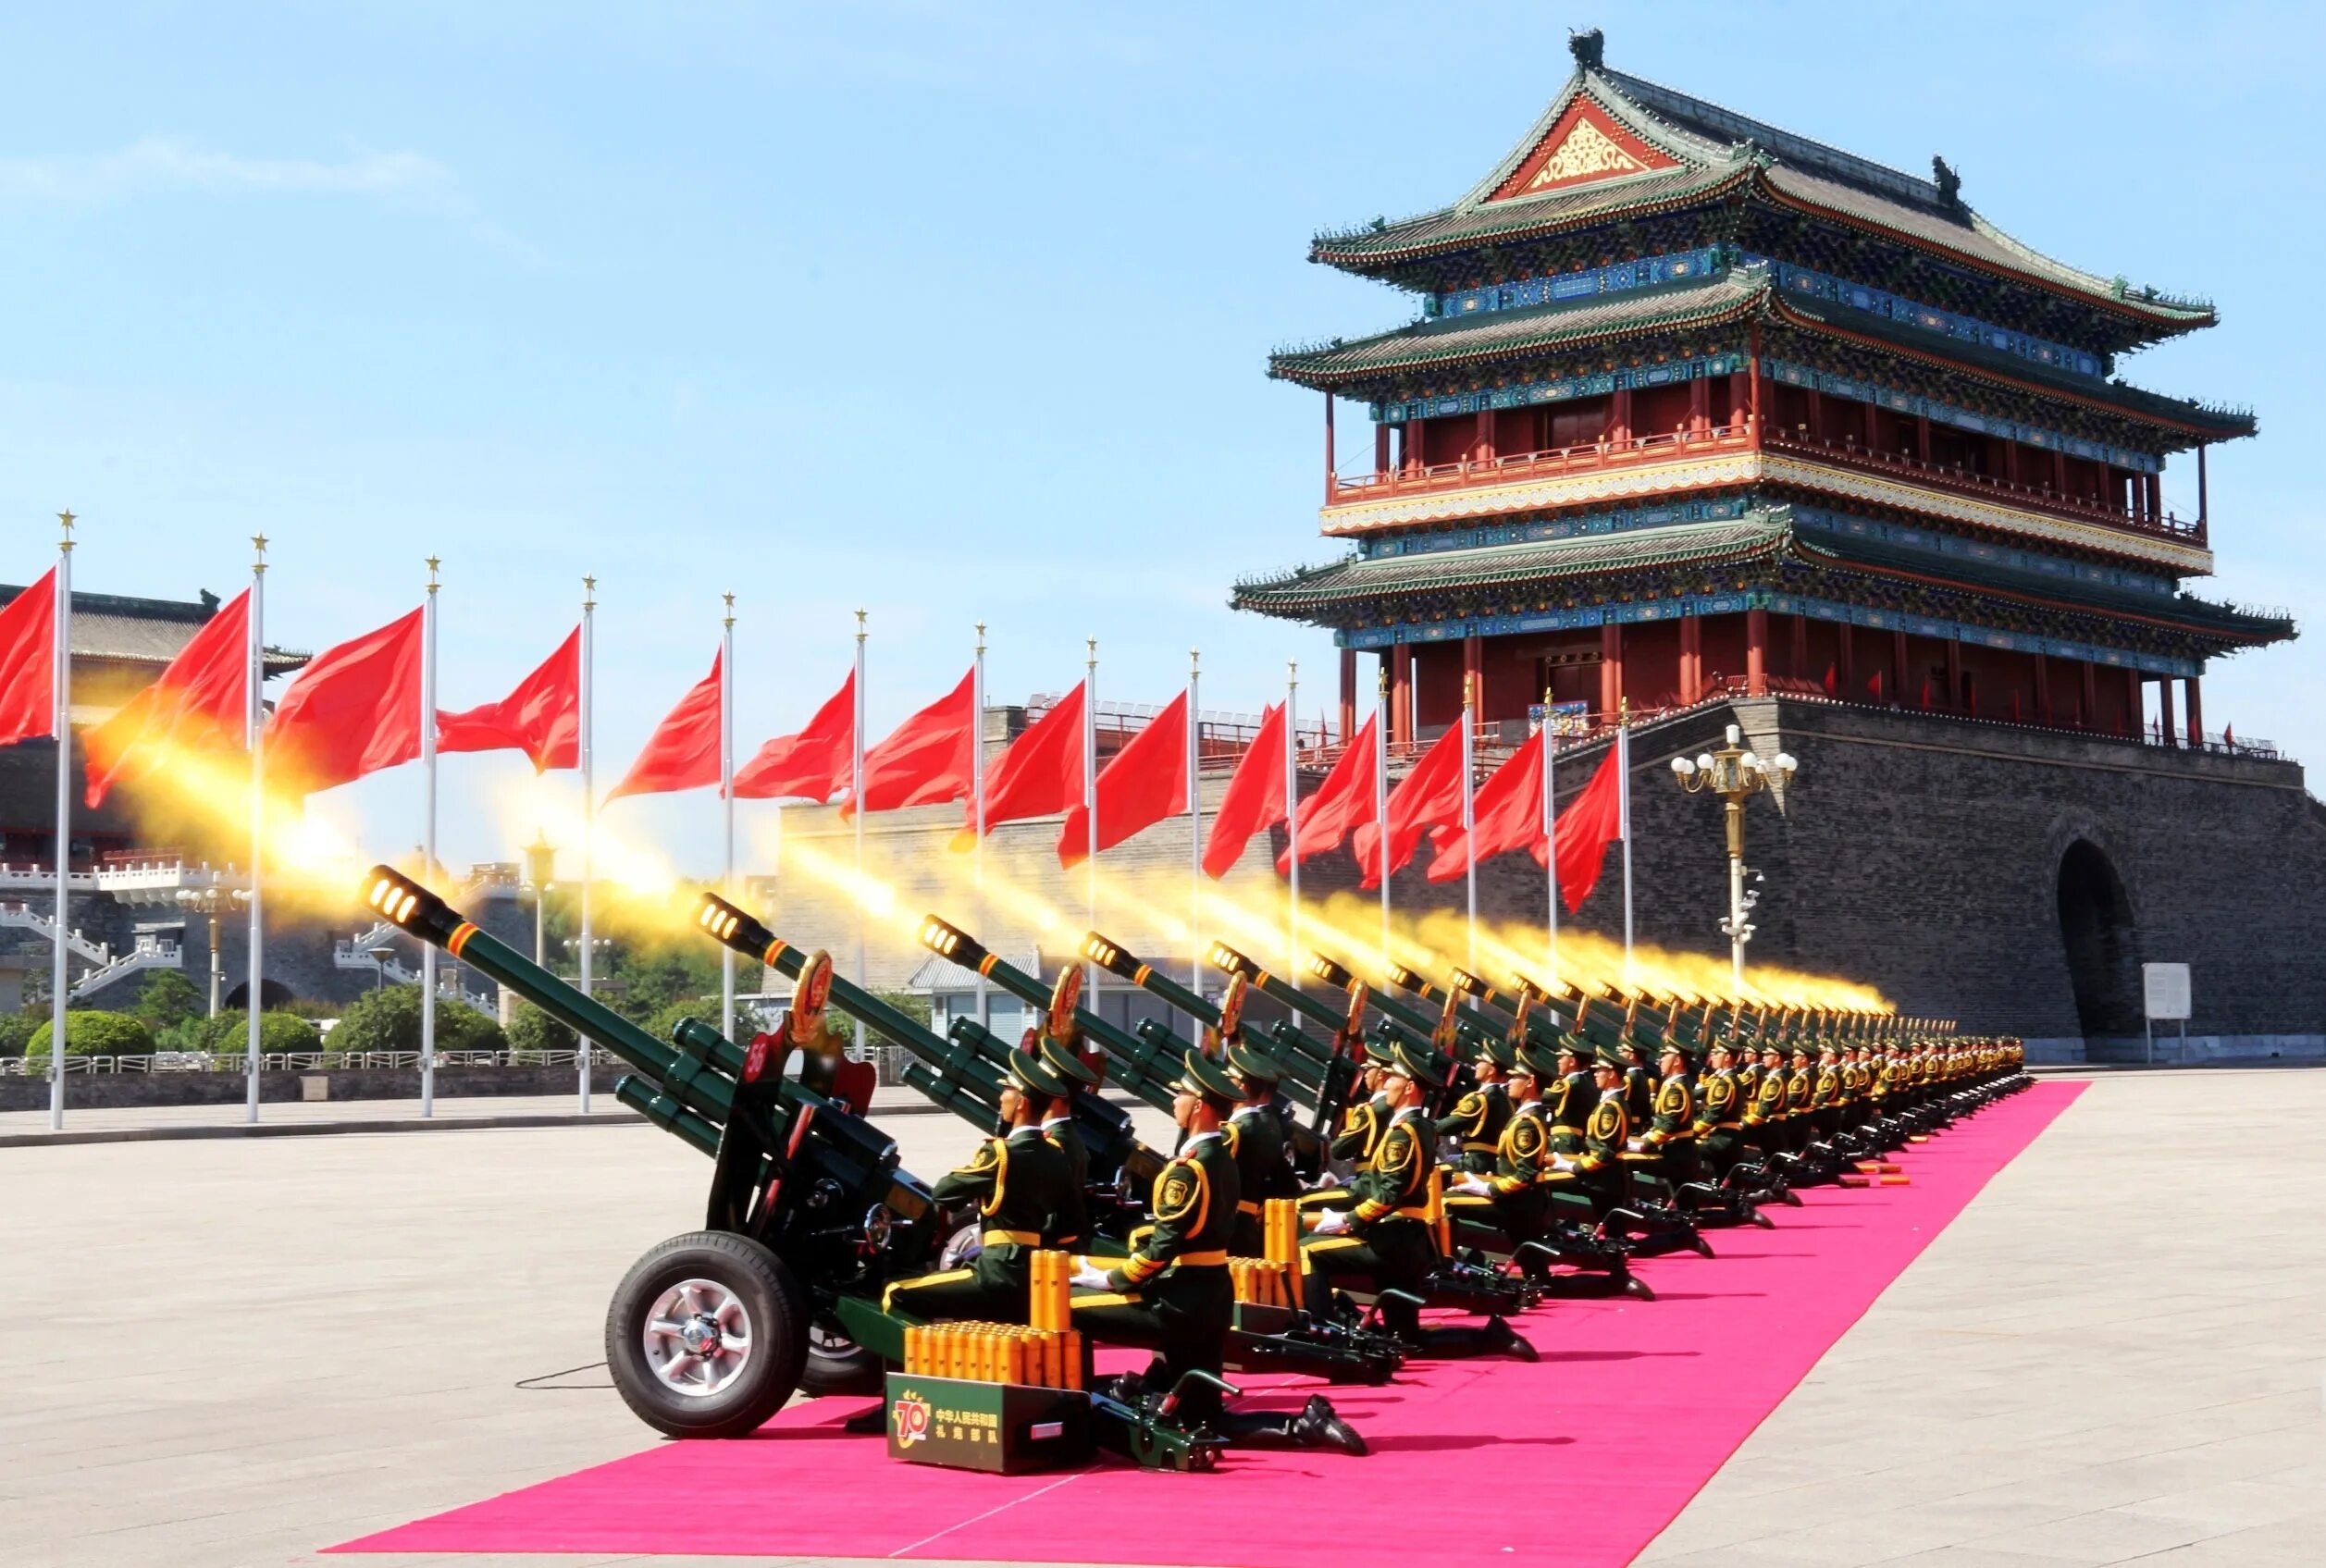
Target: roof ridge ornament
{"points": [[1589, 49], [1949, 183]]}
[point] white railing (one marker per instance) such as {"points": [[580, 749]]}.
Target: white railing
{"points": [[299, 1061]]}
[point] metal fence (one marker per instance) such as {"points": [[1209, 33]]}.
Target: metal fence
{"points": [[299, 1061]]}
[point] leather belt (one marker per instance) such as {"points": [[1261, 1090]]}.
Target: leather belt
{"points": [[1011, 1238], [1202, 1260]]}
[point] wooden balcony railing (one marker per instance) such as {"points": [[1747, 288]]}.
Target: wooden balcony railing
{"points": [[1510, 467]]}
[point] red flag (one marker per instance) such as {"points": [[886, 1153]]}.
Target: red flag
{"points": [[200, 702], [28, 663], [354, 709], [1346, 799], [1139, 785], [1506, 813], [1255, 799], [1591, 822], [1429, 796], [1042, 771], [541, 718], [814, 764], [683, 752], [929, 758]]}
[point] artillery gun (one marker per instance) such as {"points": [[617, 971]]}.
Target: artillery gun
{"points": [[810, 1215]]}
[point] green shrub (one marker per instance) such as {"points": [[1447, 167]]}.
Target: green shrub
{"points": [[16, 1032], [532, 1029], [167, 997], [229, 1033], [388, 1019], [93, 1034], [662, 1020]]}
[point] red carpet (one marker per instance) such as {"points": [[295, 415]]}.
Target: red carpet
{"points": [[1633, 1407]]}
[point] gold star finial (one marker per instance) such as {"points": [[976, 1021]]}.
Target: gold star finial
{"points": [[66, 520], [729, 600], [258, 551], [589, 593]]}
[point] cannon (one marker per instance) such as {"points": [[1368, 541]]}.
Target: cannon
{"points": [[810, 1217]]}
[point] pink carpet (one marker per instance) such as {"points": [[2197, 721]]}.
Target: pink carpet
{"points": [[1633, 1406]]}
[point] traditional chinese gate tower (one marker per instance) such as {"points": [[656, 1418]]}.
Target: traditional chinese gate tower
{"points": [[1697, 403], [1699, 412]]}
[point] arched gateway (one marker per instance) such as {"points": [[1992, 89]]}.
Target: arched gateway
{"points": [[2095, 926]]}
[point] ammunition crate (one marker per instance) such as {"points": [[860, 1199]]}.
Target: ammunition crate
{"points": [[1004, 1428]]}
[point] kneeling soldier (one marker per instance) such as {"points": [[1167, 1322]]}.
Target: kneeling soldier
{"points": [[1173, 1295], [1386, 1240], [1021, 1185]]}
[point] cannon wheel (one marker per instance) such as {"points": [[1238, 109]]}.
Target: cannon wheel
{"points": [[837, 1364], [707, 1335]]}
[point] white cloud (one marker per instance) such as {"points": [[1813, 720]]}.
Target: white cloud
{"points": [[158, 164]]}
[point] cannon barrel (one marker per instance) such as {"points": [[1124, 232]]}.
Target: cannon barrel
{"points": [[1143, 1062], [1228, 960], [689, 1087], [1391, 1006]]}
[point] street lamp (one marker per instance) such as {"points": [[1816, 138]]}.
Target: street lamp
{"points": [[1732, 772], [541, 865], [209, 902], [380, 956]]}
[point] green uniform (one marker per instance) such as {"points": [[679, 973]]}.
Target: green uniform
{"points": [[1518, 1207], [1172, 1294], [1388, 1241], [1073, 1228], [1020, 1185], [1719, 1120], [1671, 1134], [1255, 1140], [1599, 1168], [1478, 1121]]}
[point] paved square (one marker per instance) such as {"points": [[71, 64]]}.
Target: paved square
{"points": [[233, 1352]]}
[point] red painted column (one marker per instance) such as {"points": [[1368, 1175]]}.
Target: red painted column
{"points": [[1412, 446], [1482, 447], [1401, 693], [1817, 415], [2088, 714], [1348, 693], [2155, 488], [1845, 664], [1619, 418], [1921, 438], [2204, 502], [1381, 449], [1474, 670], [1755, 403], [2195, 703], [1954, 674], [1899, 694], [1333, 472], [1700, 408], [1800, 649], [1691, 659], [2135, 708], [1611, 667], [2043, 691], [2164, 712], [1740, 397], [1873, 427], [1756, 653]]}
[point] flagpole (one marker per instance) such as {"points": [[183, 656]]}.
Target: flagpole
{"points": [[427, 845], [726, 799], [1090, 801], [1623, 792], [1550, 847], [1469, 852], [255, 981], [589, 815], [1292, 814], [856, 778], [1380, 806], [977, 795], [60, 684], [1195, 825]]}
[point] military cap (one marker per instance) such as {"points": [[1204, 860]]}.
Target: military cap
{"points": [[1681, 1048], [1067, 1063], [1203, 1075], [1420, 1065], [1258, 1066], [1609, 1056], [1500, 1052], [1029, 1072], [1540, 1060]]}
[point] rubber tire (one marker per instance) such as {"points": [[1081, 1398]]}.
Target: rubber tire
{"points": [[853, 1371], [779, 1318]]}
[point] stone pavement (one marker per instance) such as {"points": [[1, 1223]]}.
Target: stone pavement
{"points": [[230, 1353]]}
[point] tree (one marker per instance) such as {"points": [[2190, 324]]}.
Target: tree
{"points": [[388, 1019], [665, 1018], [532, 1030], [93, 1034], [16, 1032], [166, 998], [277, 1034]]}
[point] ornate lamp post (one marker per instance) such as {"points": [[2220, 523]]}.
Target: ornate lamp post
{"points": [[1732, 772], [209, 903], [540, 867]]}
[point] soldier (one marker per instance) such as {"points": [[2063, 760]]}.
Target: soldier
{"points": [[1172, 1294], [1481, 1115], [1671, 1129], [1385, 1241], [1020, 1183], [1363, 1123], [1255, 1137]]}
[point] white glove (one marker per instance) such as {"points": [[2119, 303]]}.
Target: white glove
{"points": [[1327, 1180], [1330, 1222], [1087, 1276], [1473, 1185], [1560, 1161], [1634, 1144]]}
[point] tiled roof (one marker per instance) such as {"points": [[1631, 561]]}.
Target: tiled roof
{"points": [[1594, 554], [144, 631], [1496, 333]]}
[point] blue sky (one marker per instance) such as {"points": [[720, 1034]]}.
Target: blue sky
{"points": [[949, 312]]}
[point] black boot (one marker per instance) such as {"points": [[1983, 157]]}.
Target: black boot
{"points": [[1319, 1426]]}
